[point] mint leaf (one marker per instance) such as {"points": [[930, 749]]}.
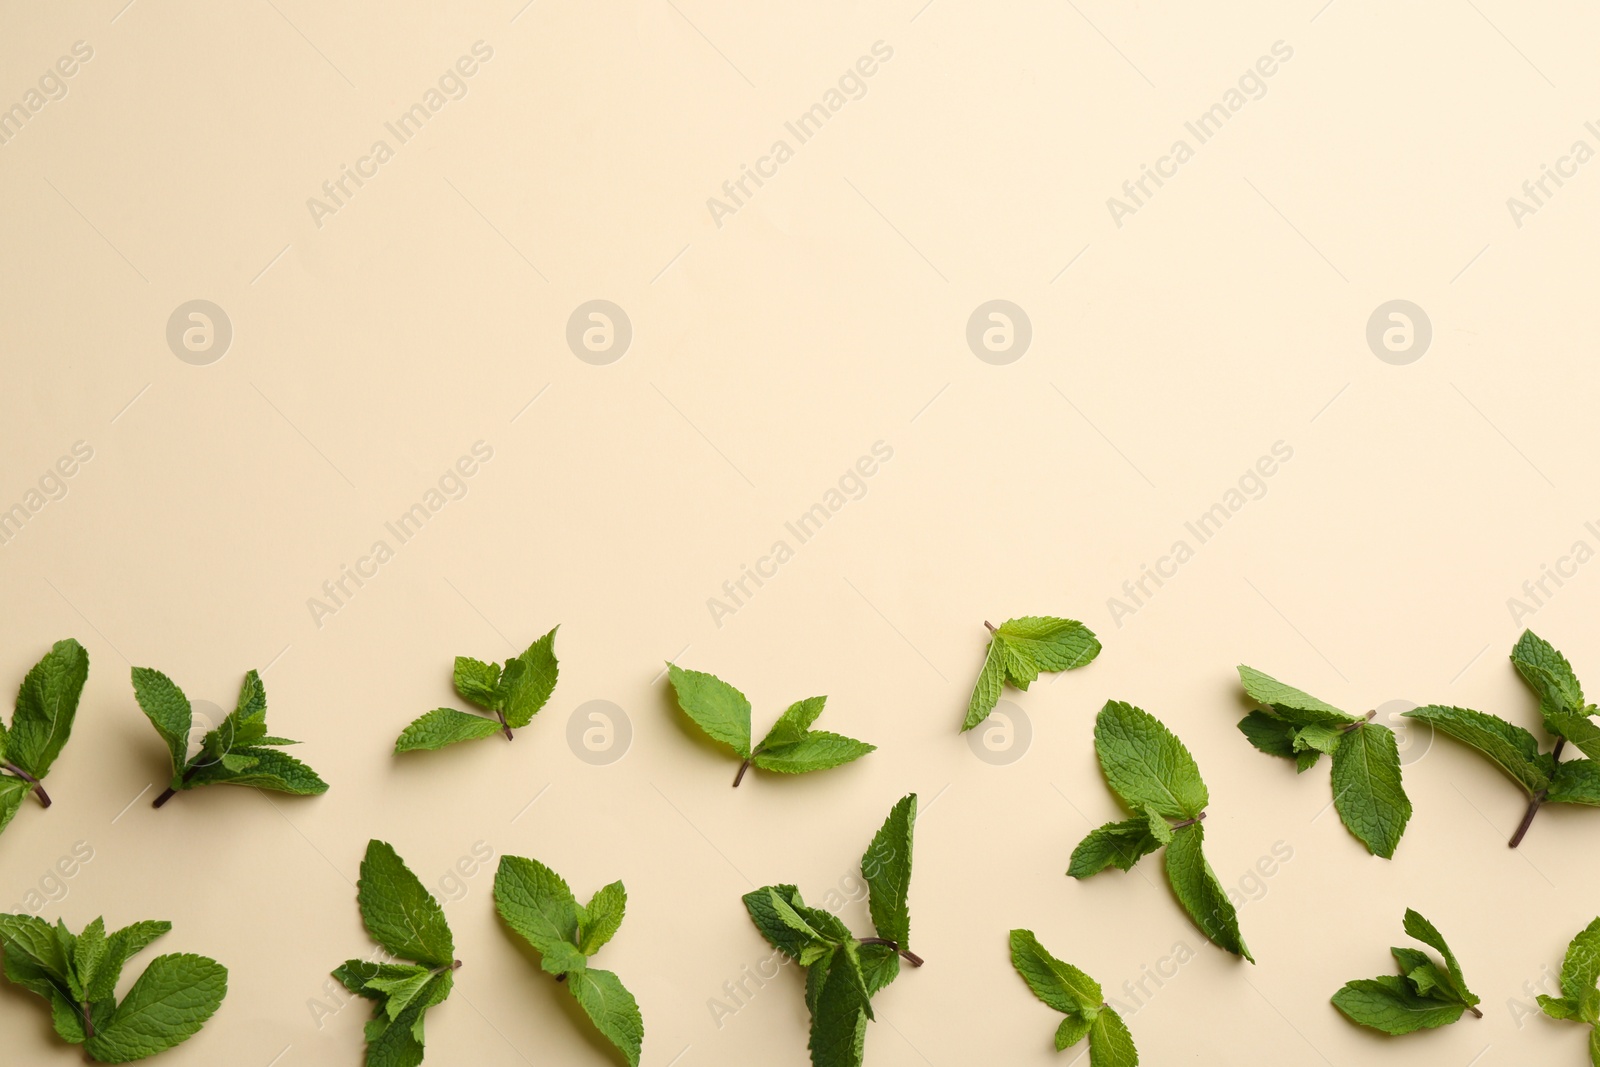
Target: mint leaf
{"points": [[1367, 790], [1422, 996], [1547, 672], [839, 1019], [537, 904], [1145, 764], [46, 705], [1290, 704], [236, 752], [1512, 748], [1270, 734], [790, 747], [511, 693], [1196, 886], [1116, 844], [1019, 649], [1424, 931], [1060, 985], [13, 791], [764, 913], [1110, 1044], [886, 865], [1580, 970], [166, 1006]]}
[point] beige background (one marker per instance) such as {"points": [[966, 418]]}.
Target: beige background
{"points": [[768, 354]]}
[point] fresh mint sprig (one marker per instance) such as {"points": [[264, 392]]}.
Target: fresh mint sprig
{"points": [[1367, 790], [1019, 649], [511, 693], [47, 703], [1422, 996], [1073, 993], [1580, 999]]}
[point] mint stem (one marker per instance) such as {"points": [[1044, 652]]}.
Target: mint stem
{"points": [[38, 789], [1189, 822], [1364, 720], [172, 792], [1475, 1012], [910, 957], [745, 766], [990, 625], [504, 726], [1535, 802], [88, 1023]]}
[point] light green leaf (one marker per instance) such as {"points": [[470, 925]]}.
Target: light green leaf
{"points": [[1367, 790], [1044, 643], [167, 1005], [1159, 828], [793, 724], [401, 990], [1319, 737], [527, 681], [1514, 749], [1291, 704], [764, 914], [536, 902], [1116, 844], [264, 768], [13, 791], [886, 865], [715, 706], [880, 965], [612, 1008], [36, 941], [601, 917], [1576, 727], [399, 912], [1110, 1044], [444, 726], [1145, 763], [477, 681], [169, 712], [1389, 1004], [1060, 985], [1580, 971], [817, 751], [1424, 931], [1073, 1028], [986, 693], [1200, 893], [46, 706]]}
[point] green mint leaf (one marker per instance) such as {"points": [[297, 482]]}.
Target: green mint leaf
{"points": [[263, 768], [764, 914], [167, 1005], [87, 953], [13, 791], [120, 948], [1019, 649], [601, 917], [1110, 1044], [1580, 971], [795, 918], [1196, 886], [880, 965], [536, 902], [819, 750], [886, 865], [1513, 749], [168, 711], [1318, 737], [1060, 985], [720, 710], [397, 991], [399, 912], [1269, 733], [477, 681], [794, 724], [30, 938], [1547, 672], [612, 1008], [1388, 1003], [1291, 704], [991, 677], [1576, 727], [839, 1018], [444, 726], [1158, 827], [1424, 931], [1116, 844], [46, 705], [1073, 1029], [1145, 764], [527, 681], [1367, 790]]}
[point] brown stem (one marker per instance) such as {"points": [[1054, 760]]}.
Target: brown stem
{"points": [[505, 727], [38, 788], [171, 792], [561, 978], [88, 1023], [1527, 818], [1364, 720], [910, 957], [745, 766], [1475, 1012], [1189, 822], [987, 623]]}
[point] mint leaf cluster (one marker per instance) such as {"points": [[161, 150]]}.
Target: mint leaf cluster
{"points": [[1422, 996], [238, 751], [403, 917], [1156, 779], [790, 747], [1019, 649], [1367, 791], [844, 972], [536, 903], [1078, 997], [512, 693], [46, 705], [1544, 776], [1580, 999], [78, 976]]}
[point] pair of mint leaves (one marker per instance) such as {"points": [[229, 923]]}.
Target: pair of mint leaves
{"points": [[790, 747], [407, 921], [844, 972], [1156, 779], [237, 751], [46, 705], [1544, 776], [1580, 999], [1422, 996], [78, 974], [1019, 649], [1077, 996], [1367, 791], [512, 693]]}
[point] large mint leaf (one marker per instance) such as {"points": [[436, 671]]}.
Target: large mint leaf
{"points": [[612, 1008], [1514, 749], [1201, 894], [715, 706], [444, 726], [167, 1005], [886, 865], [1388, 1003], [1367, 790], [1145, 763], [400, 913], [527, 681], [46, 706], [536, 902]]}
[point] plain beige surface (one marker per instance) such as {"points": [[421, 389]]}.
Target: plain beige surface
{"points": [[827, 313]]}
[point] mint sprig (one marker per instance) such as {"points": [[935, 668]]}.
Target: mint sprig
{"points": [[1019, 649], [47, 703], [1580, 999], [536, 903], [238, 751], [404, 918], [1367, 790], [1073, 993], [1421, 997], [512, 693], [790, 747], [1156, 779], [1544, 776], [844, 972], [78, 974]]}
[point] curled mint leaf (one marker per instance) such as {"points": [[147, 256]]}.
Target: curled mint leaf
{"points": [[1019, 650], [1423, 996]]}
